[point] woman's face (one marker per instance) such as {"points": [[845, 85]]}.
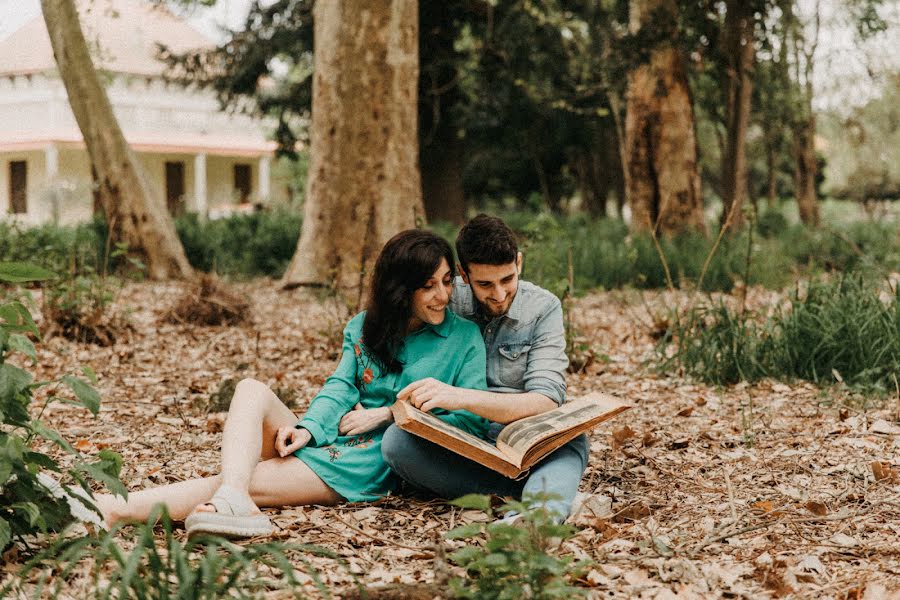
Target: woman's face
{"points": [[429, 302]]}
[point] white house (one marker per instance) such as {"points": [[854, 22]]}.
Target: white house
{"points": [[199, 158]]}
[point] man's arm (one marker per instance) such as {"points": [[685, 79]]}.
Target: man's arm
{"points": [[428, 394]]}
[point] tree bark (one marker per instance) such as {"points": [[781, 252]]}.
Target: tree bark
{"points": [[740, 56], [364, 184], [805, 174], [662, 181], [135, 214], [771, 185], [442, 181]]}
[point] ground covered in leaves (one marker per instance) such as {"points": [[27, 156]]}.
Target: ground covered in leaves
{"points": [[770, 490]]}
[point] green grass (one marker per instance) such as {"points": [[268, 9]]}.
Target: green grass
{"points": [[605, 254], [137, 563], [843, 330]]}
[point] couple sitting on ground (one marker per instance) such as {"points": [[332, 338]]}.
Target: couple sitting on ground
{"points": [[497, 356]]}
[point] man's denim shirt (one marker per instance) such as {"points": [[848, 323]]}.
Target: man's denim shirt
{"points": [[526, 347]]}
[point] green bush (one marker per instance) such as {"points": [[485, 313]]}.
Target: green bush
{"points": [[202, 568], [513, 561], [26, 505], [840, 330], [257, 244]]}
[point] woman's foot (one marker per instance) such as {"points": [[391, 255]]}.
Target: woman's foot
{"points": [[230, 512]]}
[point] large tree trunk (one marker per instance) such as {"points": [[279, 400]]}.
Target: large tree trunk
{"points": [[739, 52], [442, 181], [805, 174], [662, 181], [364, 183], [135, 214]]}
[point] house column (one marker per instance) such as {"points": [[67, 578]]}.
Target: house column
{"points": [[263, 189], [51, 173], [51, 156], [200, 200]]}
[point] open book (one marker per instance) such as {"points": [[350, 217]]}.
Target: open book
{"points": [[522, 443]]}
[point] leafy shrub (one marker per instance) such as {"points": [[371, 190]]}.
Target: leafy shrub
{"points": [[202, 568], [843, 330], [53, 247], [771, 223], [257, 244], [513, 560], [26, 505]]}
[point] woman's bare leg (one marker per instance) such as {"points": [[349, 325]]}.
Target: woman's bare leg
{"points": [[254, 416]]}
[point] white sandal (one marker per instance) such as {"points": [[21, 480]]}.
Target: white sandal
{"points": [[234, 517]]}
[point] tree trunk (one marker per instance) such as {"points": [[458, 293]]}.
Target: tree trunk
{"points": [[739, 52], [771, 185], [442, 183], [364, 184], [593, 187], [135, 214], [805, 174], [663, 182]]}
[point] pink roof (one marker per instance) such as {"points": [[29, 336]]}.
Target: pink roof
{"points": [[216, 145], [122, 33]]}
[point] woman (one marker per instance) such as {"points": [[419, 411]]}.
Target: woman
{"points": [[333, 453]]}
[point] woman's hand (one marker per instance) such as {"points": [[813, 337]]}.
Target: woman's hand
{"points": [[429, 393], [360, 420], [290, 439]]}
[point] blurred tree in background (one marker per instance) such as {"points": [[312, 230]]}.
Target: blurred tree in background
{"points": [[525, 104]]}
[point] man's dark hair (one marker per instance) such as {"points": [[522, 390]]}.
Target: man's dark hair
{"points": [[486, 240], [406, 262]]}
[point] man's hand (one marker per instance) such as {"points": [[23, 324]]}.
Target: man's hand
{"points": [[290, 439], [428, 394], [360, 420]]}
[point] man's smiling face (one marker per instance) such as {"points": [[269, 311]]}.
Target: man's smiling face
{"points": [[494, 286]]}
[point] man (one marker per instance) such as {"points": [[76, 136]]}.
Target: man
{"points": [[522, 325]]}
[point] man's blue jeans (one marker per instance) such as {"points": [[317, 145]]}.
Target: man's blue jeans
{"points": [[446, 474]]}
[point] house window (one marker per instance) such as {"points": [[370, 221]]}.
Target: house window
{"points": [[242, 182], [18, 187], [175, 187]]}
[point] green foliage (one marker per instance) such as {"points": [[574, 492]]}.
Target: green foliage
{"points": [[27, 506], [202, 568], [513, 561], [257, 244], [845, 330], [842, 330], [52, 247]]}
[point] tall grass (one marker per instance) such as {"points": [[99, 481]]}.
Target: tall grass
{"points": [[605, 254], [843, 330]]}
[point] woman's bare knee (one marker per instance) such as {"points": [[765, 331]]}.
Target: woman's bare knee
{"points": [[252, 392]]}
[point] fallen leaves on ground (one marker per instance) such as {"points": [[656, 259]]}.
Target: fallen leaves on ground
{"points": [[767, 490]]}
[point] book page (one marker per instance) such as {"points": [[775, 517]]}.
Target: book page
{"points": [[520, 436]]}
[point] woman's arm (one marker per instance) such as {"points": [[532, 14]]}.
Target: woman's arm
{"points": [[338, 395], [469, 377]]}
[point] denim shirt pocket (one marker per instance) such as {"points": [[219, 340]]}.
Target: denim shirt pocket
{"points": [[513, 361]]}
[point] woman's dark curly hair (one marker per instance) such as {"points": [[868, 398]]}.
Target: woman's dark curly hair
{"points": [[406, 262]]}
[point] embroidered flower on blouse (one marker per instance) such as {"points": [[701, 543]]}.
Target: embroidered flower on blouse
{"points": [[333, 454], [363, 360]]}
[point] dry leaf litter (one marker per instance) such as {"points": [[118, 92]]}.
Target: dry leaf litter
{"points": [[765, 490]]}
